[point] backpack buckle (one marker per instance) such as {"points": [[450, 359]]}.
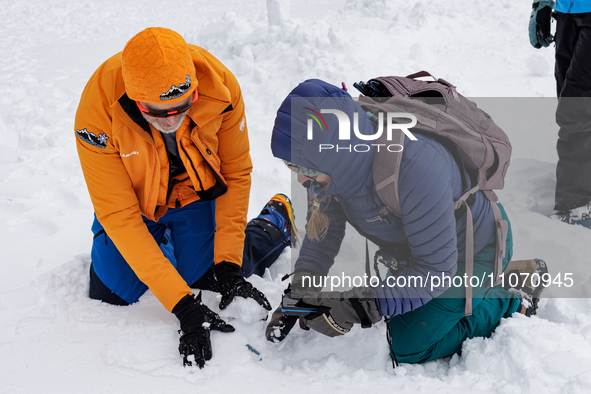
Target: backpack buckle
{"points": [[383, 214]]}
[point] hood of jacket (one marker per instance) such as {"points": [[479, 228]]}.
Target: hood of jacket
{"points": [[325, 150]]}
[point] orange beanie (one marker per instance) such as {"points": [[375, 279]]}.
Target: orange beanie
{"points": [[157, 67]]}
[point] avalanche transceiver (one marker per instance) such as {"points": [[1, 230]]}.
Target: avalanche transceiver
{"points": [[294, 307]]}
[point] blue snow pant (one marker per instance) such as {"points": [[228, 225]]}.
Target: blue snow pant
{"points": [[186, 237], [438, 328]]}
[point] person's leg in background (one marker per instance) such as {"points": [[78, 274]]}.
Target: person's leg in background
{"points": [[573, 116]]}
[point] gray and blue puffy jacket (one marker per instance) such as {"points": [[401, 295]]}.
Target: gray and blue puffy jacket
{"points": [[429, 183]]}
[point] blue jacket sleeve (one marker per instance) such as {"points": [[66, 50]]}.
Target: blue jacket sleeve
{"points": [[319, 257], [428, 175]]}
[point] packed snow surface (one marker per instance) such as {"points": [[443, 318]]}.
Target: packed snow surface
{"points": [[53, 338]]}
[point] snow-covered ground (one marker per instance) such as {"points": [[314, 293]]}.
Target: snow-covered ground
{"points": [[54, 339]]}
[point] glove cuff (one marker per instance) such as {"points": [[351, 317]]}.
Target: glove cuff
{"points": [[538, 5], [226, 270], [186, 305], [185, 310]]}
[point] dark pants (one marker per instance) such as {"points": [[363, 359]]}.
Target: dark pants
{"points": [[186, 238], [573, 116]]}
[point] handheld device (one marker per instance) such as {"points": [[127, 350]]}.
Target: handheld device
{"points": [[294, 307]]}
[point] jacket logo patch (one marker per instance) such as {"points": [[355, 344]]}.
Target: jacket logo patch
{"points": [[129, 154], [92, 139], [242, 124], [373, 220], [177, 91]]}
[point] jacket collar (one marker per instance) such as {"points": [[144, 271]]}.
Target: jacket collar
{"points": [[214, 96], [130, 114]]}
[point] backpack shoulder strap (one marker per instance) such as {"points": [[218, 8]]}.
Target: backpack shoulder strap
{"points": [[387, 158], [385, 169]]}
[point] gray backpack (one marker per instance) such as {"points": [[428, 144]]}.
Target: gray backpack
{"points": [[478, 145]]}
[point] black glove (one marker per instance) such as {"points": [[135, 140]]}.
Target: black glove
{"points": [[231, 284], [356, 306], [539, 23], [196, 322]]}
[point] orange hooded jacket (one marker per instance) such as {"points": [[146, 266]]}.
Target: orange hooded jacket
{"points": [[126, 167]]}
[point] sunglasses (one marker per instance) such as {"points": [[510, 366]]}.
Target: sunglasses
{"points": [[166, 114]]}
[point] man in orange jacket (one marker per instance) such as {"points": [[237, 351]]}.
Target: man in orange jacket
{"points": [[163, 144]]}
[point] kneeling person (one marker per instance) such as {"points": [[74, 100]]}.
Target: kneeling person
{"points": [[163, 144], [426, 241]]}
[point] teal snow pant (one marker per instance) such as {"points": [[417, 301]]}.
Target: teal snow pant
{"points": [[438, 328]]}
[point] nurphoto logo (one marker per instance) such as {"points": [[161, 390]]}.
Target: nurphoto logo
{"points": [[345, 129]]}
